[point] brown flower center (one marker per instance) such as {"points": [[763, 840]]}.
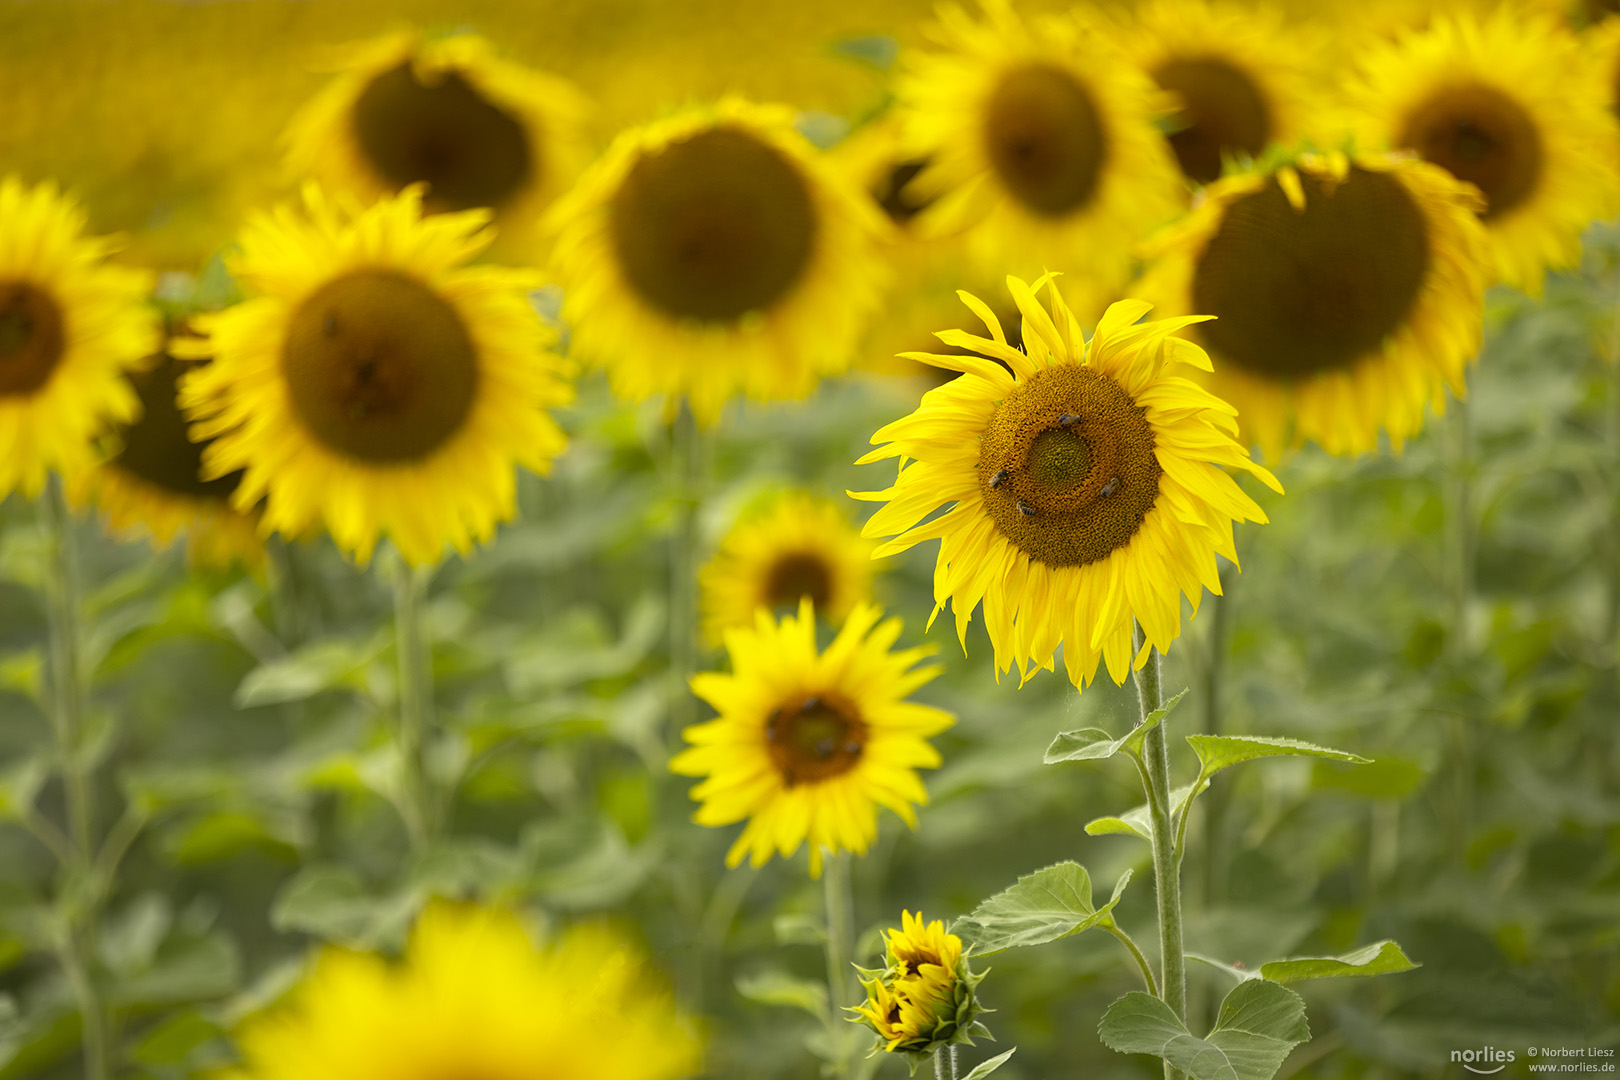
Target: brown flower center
{"points": [[1479, 134], [894, 195], [1067, 466], [1299, 292], [32, 338], [796, 575], [1222, 111], [380, 367], [469, 151], [815, 738], [157, 449], [714, 226], [1045, 139]]}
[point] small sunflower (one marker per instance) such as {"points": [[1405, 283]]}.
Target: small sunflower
{"points": [[1348, 294], [1040, 141], [1503, 101], [71, 326], [1242, 78], [809, 744], [374, 383], [713, 253], [798, 546], [925, 997], [152, 482], [474, 997], [448, 113], [1084, 483]]}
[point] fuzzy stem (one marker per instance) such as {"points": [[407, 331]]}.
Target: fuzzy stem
{"points": [[1136, 953], [1166, 864], [415, 657], [1460, 547], [686, 471], [840, 948]]}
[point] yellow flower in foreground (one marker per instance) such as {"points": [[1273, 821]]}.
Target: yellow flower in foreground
{"points": [[1509, 102], [797, 546], [376, 384], [478, 131], [1347, 296], [926, 996], [1086, 481], [715, 253], [474, 997], [71, 325], [809, 744]]}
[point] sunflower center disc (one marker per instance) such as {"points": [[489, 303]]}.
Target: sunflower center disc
{"points": [[1479, 134], [1045, 139], [1067, 466], [1222, 110], [157, 448], [1296, 293], [892, 194], [469, 152], [798, 575], [814, 739], [379, 367], [714, 226], [32, 339]]}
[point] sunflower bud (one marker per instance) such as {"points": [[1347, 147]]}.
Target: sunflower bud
{"points": [[925, 997]]}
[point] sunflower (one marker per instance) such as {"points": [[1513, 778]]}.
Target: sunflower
{"points": [[796, 546], [71, 325], [152, 485], [446, 112], [1242, 77], [1083, 479], [474, 997], [374, 383], [1348, 295], [925, 996], [1504, 101], [1040, 140], [807, 745], [713, 252]]}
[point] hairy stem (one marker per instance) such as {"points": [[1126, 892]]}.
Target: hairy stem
{"points": [[1166, 864], [1136, 953], [840, 948], [686, 472], [415, 655]]}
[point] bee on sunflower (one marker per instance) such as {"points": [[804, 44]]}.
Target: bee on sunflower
{"points": [[1084, 482]]}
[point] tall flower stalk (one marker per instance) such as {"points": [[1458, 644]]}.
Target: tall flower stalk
{"points": [[1155, 770], [419, 802]]}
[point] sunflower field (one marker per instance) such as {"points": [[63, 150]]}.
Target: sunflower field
{"points": [[674, 539]]}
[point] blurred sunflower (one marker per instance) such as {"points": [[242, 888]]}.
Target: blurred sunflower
{"points": [[797, 546], [1347, 295], [1242, 77], [809, 744], [1084, 483], [474, 997], [375, 383], [713, 253], [71, 326], [1501, 100], [152, 483], [446, 112], [1040, 140]]}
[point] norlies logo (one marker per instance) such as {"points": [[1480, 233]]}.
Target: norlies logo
{"points": [[1486, 1056]]}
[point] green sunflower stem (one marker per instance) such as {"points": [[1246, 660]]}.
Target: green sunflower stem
{"points": [[1166, 859], [945, 1063], [415, 655], [840, 953], [1460, 547], [80, 899], [686, 478]]}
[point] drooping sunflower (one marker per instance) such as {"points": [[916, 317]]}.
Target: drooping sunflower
{"points": [[446, 112], [1347, 295], [1503, 100], [375, 384], [152, 485], [1086, 481], [71, 325], [714, 253], [796, 546], [1040, 141], [474, 997], [1242, 78], [809, 744]]}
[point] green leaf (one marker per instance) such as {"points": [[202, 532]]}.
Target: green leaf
{"points": [[1093, 744], [1136, 821], [799, 929], [19, 786], [780, 988], [985, 1068], [1259, 1024], [326, 665], [1216, 752], [1380, 958], [1044, 906]]}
